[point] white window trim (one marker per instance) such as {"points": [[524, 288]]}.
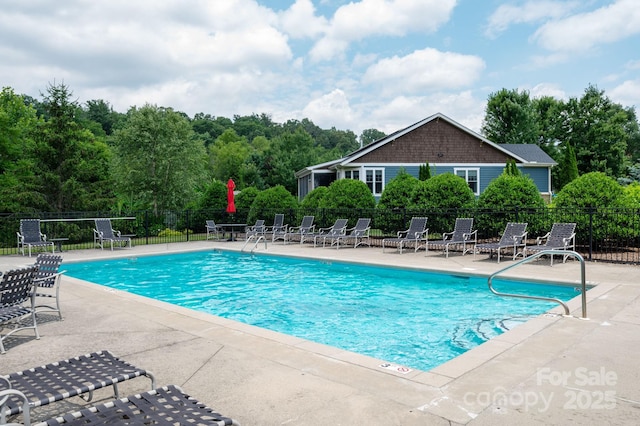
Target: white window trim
{"points": [[374, 169], [466, 176]]}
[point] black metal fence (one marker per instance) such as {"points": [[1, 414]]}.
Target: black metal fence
{"points": [[601, 234]]}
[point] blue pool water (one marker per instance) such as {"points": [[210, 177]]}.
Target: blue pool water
{"points": [[411, 318]]}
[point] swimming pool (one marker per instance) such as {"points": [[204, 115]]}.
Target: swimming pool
{"points": [[411, 318]]}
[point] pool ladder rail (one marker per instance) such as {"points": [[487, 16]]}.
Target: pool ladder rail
{"points": [[256, 239], [548, 299]]}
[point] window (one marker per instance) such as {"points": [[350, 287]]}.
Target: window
{"points": [[374, 178], [352, 174], [472, 178]]}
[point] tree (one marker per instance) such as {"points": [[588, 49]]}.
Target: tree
{"points": [[424, 171], [72, 164], [567, 169], [597, 129], [229, 154], [18, 189], [510, 118], [158, 159], [370, 135]]}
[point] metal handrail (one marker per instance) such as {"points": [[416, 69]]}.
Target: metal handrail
{"points": [[549, 299], [255, 245]]}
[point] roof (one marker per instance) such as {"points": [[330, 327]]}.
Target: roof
{"points": [[530, 152]]}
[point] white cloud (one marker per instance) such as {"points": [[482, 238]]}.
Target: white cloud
{"points": [[300, 20], [584, 31], [627, 93], [402, 111], [366, 18], [548, 89], [529, 12], [424, 70], [331, 110]]}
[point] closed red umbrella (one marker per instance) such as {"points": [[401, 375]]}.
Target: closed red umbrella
{"points": [[231, 206]]}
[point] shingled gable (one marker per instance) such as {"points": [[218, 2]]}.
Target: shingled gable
{"points": [[436, 139]]}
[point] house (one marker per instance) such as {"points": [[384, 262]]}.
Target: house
{"points": [[446, 145]]}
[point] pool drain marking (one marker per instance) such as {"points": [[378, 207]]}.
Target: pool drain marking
{"points": [[397, 368]]}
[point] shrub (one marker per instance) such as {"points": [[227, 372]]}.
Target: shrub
{"points": [[245, 198], [592, 191], [502, 197], [348, 199], [447, 196], [313, 200], [394, 201], [272, 201]]}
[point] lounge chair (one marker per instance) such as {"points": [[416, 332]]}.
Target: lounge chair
{"points": [[255, 231], [462, 235], [47, 282], [31, 236], [17, 303], [304, 231], [167, 405], [279, 229], [514, 238], [417, 235], [338, 229], [561, 237], [53, 382], [359, 234], [104, 232], [213, 229]]}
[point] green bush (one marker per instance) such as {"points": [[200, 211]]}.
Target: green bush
{"points": [[592, 191], [313, 200], [272, 201], [632, 195], [444, 197], [244, 199], [508, 193], [394, 201], [348, 199]]}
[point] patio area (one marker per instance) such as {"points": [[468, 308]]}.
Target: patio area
{"points": [[551, 370]]}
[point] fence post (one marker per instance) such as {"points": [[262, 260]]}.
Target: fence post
{"points": [[591, 212], [187, 221], [146, 226]]}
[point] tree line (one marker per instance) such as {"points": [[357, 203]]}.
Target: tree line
{"points": [[59, 155]]}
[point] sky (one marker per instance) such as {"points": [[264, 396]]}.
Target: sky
{"points": [[350, 65]]}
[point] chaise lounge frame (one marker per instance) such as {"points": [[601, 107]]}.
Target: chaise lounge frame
{"points": [[35, 387]]}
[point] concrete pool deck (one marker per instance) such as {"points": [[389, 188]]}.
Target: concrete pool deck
{"points": [[551, 370]]}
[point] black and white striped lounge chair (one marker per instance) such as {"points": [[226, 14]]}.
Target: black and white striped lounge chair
{"points": [[561, 237], [304, 231], [462, 235], [47, 283], [30, 236], [166, 406], [279, 229], [514, 238], [338, 229], [416, 235], [17, 303], [53, 382], [103, 232], [359, 234]]}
